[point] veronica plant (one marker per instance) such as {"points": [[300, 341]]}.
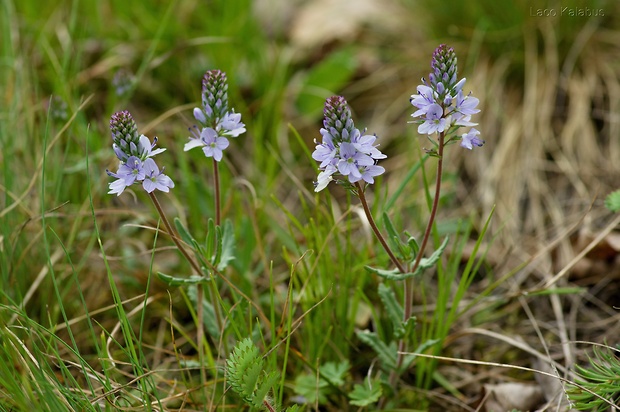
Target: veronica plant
{"points": [[136, 165], [350, 157], [443, 108], [217, 124]]}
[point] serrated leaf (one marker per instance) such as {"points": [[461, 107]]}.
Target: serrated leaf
{"points": [[429, 262], [393, 274], [393, 309], [387, 353], [366, 394], [307, 386], [409, 325], [183, 232], [612, 202], [335, 373], [266, 384], [252, 384], [176, 281]]}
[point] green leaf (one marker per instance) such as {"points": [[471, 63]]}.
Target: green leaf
{"points": [[246, 375], [266, 384], [393, 238], [393, 274], [612, 202], [307, 386], [366, 394], [243, 356], [250, 381], [183, 232], [413, 244], [426, 263], [387, 353], [335, 373], [393, 309], [210, 241], [227, 246], [175, 281]]}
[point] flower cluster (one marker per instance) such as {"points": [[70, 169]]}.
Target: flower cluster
{"points": [[135, 153], [217, 122], [441, 103], [344, 149]]}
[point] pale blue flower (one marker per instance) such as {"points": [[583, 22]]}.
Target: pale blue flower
{"points": [[135, 152], [435, 122], [469, 140], [367, 173], [127, 174], [364, 143], [351, 159], [466, 104], [344, 150], [231, 125], [325, 152], [154, 179], [212, 144], [422, 100], [325, 177]]}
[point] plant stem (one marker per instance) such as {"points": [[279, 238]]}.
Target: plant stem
{"points": [[218, 222], [199, 292], [216, 185], [269, 406], [429, 227], [409, 283], [373, 225], [173, 235]]}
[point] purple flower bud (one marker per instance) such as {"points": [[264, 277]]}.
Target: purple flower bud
{"points": [[444, 68], [123, 128], [199, 115], [214, 95]]}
